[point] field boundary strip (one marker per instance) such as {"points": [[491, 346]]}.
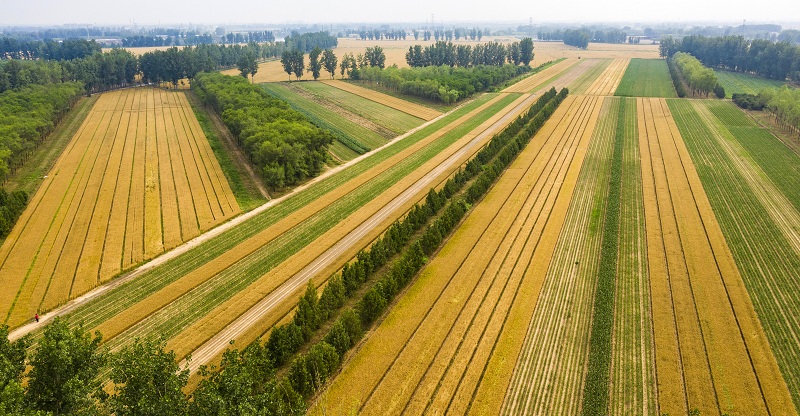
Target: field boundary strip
{"points": [[407, 107]]}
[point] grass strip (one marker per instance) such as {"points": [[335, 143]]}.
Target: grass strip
{"points": [[596, 391]]}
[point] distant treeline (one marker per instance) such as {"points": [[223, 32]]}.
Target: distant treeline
{"points": [[440, 83], [280, 141], [308, 41], [465, 56], [67, 49], [581, 37], [774, 60], [426, 34]]}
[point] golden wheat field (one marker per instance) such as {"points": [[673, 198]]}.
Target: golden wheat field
{"points": [[138, 178]]}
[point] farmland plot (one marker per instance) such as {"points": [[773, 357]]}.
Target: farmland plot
{"points": [[608, 81], [738, 163], [431, 351], [536, 82], [582, 83], [646, 78], [710, 351], [735, 82], [102, 208], [413, 109]]}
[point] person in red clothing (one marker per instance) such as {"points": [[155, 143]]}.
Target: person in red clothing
{"points": [[36, 317]]}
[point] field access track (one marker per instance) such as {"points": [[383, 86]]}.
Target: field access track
{"points": [[138, 178], [710, 351], [450, 330]]}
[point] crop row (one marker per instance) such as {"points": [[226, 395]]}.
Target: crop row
{"points": [[766, 258], [609, 81], [596, 387], [548, 377], [632, 386], [582, 84], [407, 107], [539, 79]]}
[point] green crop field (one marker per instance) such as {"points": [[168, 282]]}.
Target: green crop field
{"points": [[394, 120], [351, 134], [646, 78], [738, 83], [737, 161]]}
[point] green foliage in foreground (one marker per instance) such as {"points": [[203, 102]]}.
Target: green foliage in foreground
{"points": [[646, 78]]}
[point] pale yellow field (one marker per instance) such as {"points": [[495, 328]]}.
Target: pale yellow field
{"points": [[710, 350], [430, 352], [102, 206]]}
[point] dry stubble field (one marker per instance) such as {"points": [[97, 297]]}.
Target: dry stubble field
{"points": [[137, 179]]}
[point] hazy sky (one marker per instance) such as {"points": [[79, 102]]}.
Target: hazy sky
{"points": [[100, 12]]}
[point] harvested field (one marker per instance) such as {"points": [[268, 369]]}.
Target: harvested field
{"points": [[413, 109], [102, 206], [431, 352], [646, 78], [737, 162], [710, 351], [609, 80]]}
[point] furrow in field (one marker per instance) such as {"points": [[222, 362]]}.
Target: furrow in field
{"points": [[153, 228], [134, 228], [416, 110]]}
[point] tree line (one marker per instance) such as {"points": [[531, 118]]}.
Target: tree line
{"points": [[440, 83], [581, 37], [783, 103], [699, 79], [285, 146], [774, 60], [12, 48], [61, 375], [465, 56]]}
